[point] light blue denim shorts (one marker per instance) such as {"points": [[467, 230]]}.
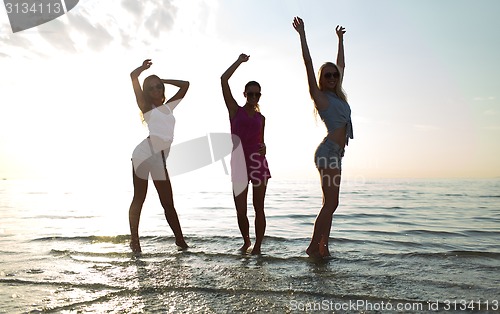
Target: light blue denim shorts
{"points": [[328, 155]]}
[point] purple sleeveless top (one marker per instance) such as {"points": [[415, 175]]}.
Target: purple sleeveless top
{"points": [[249, 130]]}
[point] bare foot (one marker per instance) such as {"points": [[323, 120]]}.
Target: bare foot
{"points": [[182, 244], [135, 246], [323, 249], [244, 247], [313, 252], [255, 251]]}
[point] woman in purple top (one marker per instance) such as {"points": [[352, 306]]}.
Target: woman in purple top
{"points": [[247, 123], [331, 103]]}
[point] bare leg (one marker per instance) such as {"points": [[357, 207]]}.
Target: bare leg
{"points": [[164, 189], [240, 202], [259, 194], [134, 213], [330, 185]]}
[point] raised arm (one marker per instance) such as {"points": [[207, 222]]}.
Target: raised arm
{"points": [[231, 104], [137, 86], [176, 99], [340, 53], [318, 97]]}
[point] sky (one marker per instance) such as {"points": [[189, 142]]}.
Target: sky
{"points": [[422, 79]]}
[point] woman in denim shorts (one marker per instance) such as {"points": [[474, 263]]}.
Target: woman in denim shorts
{"points": [[330, 102]]}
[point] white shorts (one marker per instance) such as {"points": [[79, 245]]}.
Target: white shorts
{"points": [[147, 160]]}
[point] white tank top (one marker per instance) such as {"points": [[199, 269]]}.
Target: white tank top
{"points": [[161, 122]]}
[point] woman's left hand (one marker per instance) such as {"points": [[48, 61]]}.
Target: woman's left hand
{"points": [[298, 24], [262, 149]]}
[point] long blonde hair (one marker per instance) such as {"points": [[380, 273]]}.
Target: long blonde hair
{"points": [[339, 91]]}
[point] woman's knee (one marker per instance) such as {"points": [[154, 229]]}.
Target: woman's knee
{"points": [[330, 206], [258, 207], [259, 213], [167, 204], [241, 211], [138, 200]]}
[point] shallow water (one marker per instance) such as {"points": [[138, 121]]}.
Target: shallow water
{"points": [[397, 246]]}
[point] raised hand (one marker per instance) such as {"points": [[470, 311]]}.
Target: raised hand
{"points": [[146, 64], [243, 57], [340, 30], [298, 24]]}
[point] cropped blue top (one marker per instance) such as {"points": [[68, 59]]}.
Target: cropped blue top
{"points": [[337, 115]]}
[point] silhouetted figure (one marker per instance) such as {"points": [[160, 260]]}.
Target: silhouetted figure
{"points": [[248, 124], [148, 158], [330, 102]]}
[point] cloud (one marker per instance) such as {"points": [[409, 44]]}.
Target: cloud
{"points": [[126, 39], [8, 40], [160, 19], [133, 6], [57, 34], [97, 36], [153, 16], [141, 23], [97, 25]]}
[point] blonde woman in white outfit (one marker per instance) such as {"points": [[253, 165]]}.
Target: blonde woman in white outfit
{"points": [[148, 158]]}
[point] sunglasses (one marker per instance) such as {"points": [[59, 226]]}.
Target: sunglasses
{"points": [[329, 75], [251, 94], [157, 86]]}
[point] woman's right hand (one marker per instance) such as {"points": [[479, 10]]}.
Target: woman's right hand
{"points": [[243, 57], [340, 30], [146, 64], [298, 24]]}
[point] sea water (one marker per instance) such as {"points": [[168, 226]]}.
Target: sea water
{"points": [[397, 246]]}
